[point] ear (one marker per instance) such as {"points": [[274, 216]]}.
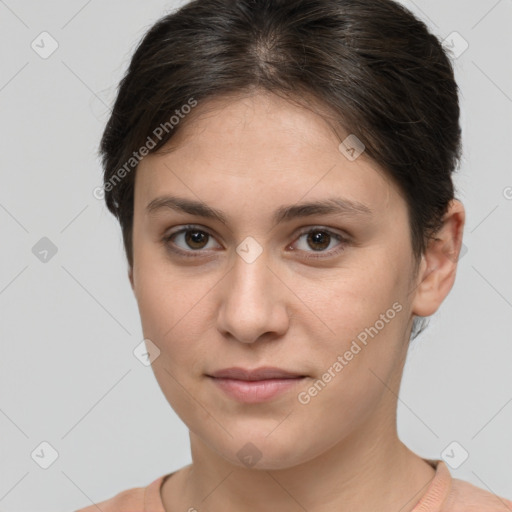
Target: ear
{"points": [[438, 267]]}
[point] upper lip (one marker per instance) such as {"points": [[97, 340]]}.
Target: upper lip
{"points": [[262, 373]]}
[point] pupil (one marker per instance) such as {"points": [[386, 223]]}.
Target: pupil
{"points": [[318, 237], [195, 238]]}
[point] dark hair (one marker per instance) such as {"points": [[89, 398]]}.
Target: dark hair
{"points": [[374, 66]]}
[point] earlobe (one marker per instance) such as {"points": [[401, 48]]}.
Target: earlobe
{"points": [[439, 262]]}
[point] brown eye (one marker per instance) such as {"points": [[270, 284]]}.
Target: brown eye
{"points": [[189, 241], [196, 239], [318, 240]]}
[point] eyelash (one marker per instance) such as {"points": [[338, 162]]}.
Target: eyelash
{"points": [[167, 240]]}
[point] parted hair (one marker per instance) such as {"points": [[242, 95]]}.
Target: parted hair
{"points": [[372, 64]]}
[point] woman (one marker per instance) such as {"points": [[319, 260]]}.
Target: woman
{"points": [[282, 174]]}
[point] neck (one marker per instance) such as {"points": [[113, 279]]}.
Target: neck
{"points": [[356, 475]]}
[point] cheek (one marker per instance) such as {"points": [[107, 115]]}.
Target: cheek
{"points": [[173, 316], [164, 295], [355, 368], [355, 299], [169, 315], [364, 316]]}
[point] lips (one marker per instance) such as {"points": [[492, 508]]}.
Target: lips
{"points": [[255, 386], [263, 373]]}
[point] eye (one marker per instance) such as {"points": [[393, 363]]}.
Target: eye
{"points": [[192, 240], [320, 239]]}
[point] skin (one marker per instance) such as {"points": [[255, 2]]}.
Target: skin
{"points": [[247, 156]]}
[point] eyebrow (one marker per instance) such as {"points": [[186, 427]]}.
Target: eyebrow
{"points": [[332, 205]]}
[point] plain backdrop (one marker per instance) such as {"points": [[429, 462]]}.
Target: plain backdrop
{"points": [[69, 324]]}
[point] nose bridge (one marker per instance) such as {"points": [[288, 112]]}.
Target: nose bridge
{"points": [[250, 305], [251, 278]]}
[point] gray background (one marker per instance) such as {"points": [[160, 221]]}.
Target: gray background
{"points": [[69, 325]]}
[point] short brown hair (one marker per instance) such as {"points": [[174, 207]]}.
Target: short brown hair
{"points": [[372, 63]]}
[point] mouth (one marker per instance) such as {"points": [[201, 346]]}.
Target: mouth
{"points": [[254, 386], [262, 373]]}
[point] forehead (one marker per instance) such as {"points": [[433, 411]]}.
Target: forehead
{"points": [[260, 149]]}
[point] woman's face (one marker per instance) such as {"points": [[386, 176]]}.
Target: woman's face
{"points": [[255, 289]]}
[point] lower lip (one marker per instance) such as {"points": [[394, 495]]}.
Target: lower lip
{"points": [[257, 390]]}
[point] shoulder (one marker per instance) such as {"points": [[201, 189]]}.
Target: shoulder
{"points": [[136, 499], [448, 494], [466, 497], [131, 500]]}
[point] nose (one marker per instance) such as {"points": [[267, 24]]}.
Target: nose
{"points": [[253, 302]]}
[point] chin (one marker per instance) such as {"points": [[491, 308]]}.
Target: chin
{"points": [[265, 449]]}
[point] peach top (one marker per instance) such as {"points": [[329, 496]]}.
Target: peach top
{"points": [[444, 494]]}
